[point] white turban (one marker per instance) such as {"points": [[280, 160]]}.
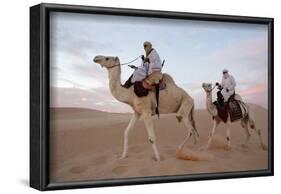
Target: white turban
{"points": [[225, 70]]}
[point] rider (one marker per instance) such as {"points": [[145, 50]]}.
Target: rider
{"points": [[150, 70], [227, 85]]}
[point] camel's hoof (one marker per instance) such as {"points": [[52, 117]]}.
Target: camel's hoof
{"points": [[157, 158], [195, 141], [244, 145], [123, 157], [263, 147], [179, 118]]}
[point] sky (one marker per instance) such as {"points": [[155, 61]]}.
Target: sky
{"points": [[194, 52]]}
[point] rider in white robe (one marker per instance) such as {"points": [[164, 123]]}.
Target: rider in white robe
{"points": [[228, 84], [150, 69], [151, 64]]}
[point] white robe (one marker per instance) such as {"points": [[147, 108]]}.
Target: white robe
{"points": [[155, 62], [147, 68], [228, 83], [140, 73]]}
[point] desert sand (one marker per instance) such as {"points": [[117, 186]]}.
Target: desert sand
{"points": [[86, 145]]}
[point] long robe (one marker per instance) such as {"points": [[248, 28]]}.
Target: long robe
{"points": [[228, 84], [147, 68]]}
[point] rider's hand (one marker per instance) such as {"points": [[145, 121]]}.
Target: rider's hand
{"points": [[142, 57], [146, 60], [217, 84], [132, 66]]}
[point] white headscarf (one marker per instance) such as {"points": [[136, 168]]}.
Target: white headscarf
{"points": [[225, 73]]}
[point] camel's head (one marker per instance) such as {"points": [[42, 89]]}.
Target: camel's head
{"points": [[207, 87], [107, 62]]}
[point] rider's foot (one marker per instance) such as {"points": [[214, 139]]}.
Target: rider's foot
{"points": [[126, 85]]}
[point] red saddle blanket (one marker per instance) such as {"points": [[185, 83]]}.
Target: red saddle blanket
{"points": [[162, 85], [223, 112], [142, 88]]}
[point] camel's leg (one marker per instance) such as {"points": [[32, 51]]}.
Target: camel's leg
{"points": [[151, 134], [184, 141], [194, 138], [228, 134], [130, 126], [258, 131], [244, 124], [215, 124], [189, 128], [186, 114]]}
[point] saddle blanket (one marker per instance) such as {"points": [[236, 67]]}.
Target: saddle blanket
{"points": [[231, 108], [141, 88], [235, 111]]}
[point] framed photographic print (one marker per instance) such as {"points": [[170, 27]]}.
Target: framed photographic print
{"points": [[126, 96]]}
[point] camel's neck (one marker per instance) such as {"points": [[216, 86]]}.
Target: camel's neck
{"points": [[120, 93], [209, 103]]}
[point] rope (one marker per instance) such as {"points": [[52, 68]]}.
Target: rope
{"points": [[131, 61]]}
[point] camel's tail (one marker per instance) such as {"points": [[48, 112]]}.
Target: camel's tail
{"points": [[251, 119], [193, 121], [252, 123]]}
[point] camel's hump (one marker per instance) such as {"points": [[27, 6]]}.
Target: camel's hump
{"points": [[168, 78]]}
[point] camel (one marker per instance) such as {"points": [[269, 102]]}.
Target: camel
{"points": [[172, 99], [246, 120]]}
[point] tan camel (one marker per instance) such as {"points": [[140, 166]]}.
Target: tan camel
{"points": [[172, 99], [246, 121]]}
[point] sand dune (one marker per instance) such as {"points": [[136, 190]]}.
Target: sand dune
{"points": [[86, 145]]}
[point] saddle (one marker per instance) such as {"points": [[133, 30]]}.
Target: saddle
{"points": [[142, 88], [230, 108]]}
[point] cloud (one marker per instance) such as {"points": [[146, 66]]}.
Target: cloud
{"points": [[195, 52], [250, 52], [254, 90], [256, 93]]}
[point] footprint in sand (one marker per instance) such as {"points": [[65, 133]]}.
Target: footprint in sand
{"points": [[170, 151], [141, 156], [100, 160], [145, 171], [77, 169], [243, 148], [119, 169], [136, 149]]}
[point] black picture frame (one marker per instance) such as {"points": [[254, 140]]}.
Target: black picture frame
{"points": [[39, 95]]}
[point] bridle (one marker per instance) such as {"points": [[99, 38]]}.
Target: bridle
{"points": [[209, 91]]}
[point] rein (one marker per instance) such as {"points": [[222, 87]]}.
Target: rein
{"points": [[212, 88], [126, 62], [131, 61]]}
